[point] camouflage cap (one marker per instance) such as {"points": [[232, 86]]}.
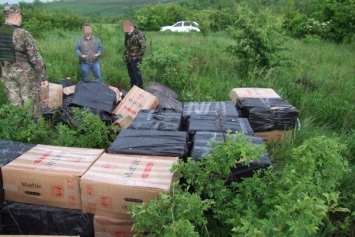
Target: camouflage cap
{"points": [[9, 9]]}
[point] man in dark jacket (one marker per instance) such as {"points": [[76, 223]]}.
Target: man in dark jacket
{"points": [[89, 49], [135, 46]]}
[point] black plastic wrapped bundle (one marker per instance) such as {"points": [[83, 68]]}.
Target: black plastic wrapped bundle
{"points": [[285, 118], [95, 95], [214, 108], [202, 145], [68, 100], [29, 219], [150, 142], [158, 119], [261, 119], [66, 82], [9, 151], [267, 114], [218, 124], [165, 101], [158, 87]]}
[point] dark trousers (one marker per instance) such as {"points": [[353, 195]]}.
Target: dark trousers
{"points": [[134, 74]]}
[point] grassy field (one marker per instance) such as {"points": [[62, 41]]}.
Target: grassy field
{"points": [[102, 7]]}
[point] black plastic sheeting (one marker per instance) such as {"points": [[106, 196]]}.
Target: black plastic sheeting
{"points": [[222, 108], [202, 145], [95, 95], [65, 115], [158, 119], [66, 82], [9, 151], [214, 124], [165, 101], [28, 219], [214, 108], [156, 86], [267, 114], [150, 142]]}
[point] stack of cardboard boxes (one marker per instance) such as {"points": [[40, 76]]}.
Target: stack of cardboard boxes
{"points": [[87, 180], [271, 117], [95, 186]]}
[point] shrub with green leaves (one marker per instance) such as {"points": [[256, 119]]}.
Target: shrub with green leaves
{"points": [[16, 124], [176, 214], [258, 41], [294, 201], [84, 130], [169, 67]]}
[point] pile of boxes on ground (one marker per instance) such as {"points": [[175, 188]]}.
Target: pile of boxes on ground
{"points": [[53, 190]]}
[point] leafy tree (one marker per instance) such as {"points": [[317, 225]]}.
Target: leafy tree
{"points": [[259, 39]]}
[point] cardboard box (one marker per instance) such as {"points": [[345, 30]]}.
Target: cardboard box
{"points": [[52, 96], [116, 180], [48, 175], [124, 122], [69, 90], [277, 136], [105, 226], [135, 100], [118, 93], [238, 93]]}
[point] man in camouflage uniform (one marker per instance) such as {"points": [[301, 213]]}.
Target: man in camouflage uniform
{"points": [[21, 62], [135, 46]]}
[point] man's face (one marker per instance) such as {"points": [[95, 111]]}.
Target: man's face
{"points": [[87, 30], [19, 18], [127, 26]]}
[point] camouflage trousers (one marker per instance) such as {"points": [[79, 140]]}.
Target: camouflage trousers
{"points": [[22, 86]]}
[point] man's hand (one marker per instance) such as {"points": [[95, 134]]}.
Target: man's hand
{"points": [[84, 56]]}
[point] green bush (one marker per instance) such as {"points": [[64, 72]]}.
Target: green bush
{"points": [[326, 19], [16, 124], [176, 214], [169, 67], [258, 41], [84, 130], [293, 201]]}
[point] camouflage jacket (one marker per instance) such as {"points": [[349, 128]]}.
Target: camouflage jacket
{"points": [[27, 55], [135, 46]]}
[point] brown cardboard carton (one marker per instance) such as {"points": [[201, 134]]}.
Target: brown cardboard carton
{"points": [[238, 93], [69, 90], [117, 180], [118, 93], [105, 226], [124, 122], [277, 136], [135, 100], [48, 175], [52, 96]]}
